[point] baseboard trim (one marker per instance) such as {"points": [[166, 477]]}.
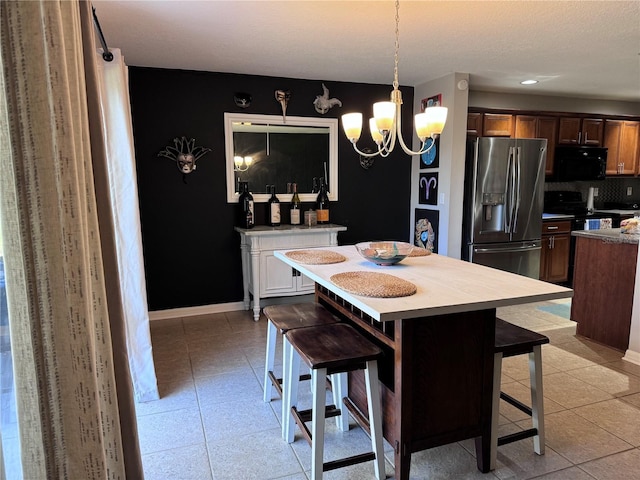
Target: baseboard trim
{"points": [[194, 311], [223, 307], [631, 356]]}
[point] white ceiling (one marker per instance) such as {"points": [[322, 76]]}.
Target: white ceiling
{"points": [[574, 48]]}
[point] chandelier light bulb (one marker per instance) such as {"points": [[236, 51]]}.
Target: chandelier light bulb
{"points": [[385, 114], [352, 126], [375, 133]]}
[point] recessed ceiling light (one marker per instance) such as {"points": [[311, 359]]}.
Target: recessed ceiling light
{"points": [[528, 82]]}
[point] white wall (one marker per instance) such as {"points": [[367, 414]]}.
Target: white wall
{"points": [[451, 169], [633, 352]]}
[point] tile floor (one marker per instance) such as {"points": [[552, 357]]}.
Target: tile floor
{"points": [[211, 422]]}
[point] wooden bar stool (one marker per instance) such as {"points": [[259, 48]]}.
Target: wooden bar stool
{"points": [[330, 350], [282, 318], [513, 340]]}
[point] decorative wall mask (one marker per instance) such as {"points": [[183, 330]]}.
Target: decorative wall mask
{"points": [[283, 97], [242, 99], [323, 103], [184, 153]]}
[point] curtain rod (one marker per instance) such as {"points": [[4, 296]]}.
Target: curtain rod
{"points": [[106, 54]]}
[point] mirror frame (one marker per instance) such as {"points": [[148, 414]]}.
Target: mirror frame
{"points": [[331, 123]]}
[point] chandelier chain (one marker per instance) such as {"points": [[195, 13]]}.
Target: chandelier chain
{"points": [[397, 47]]}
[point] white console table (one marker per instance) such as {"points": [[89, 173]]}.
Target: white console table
{"points": [[264, 275]]}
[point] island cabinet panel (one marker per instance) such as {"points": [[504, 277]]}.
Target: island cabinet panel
{"points": [[434, 377], [603, 284], [533, 126], [622, 139], [580, 131]]}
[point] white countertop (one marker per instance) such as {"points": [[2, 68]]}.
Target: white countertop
{"points": [[444, 285], [290, 229]]}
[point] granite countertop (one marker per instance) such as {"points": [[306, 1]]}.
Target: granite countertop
{"points": [[618, 211], [609, 235]]}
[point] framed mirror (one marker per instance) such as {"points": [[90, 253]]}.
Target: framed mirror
{"points": [[264, 150]]}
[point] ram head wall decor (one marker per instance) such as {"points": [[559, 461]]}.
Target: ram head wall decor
{"points": [[184, 153]]}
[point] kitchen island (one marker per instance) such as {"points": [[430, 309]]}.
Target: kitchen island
{"points": [[604, 281], [437, 371]]}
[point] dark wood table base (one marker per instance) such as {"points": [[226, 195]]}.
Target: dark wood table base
{"points": [[436, 379]]}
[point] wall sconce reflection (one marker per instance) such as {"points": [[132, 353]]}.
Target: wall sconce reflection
{"points": [[242, 164]]}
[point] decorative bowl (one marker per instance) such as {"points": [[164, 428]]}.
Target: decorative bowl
{"points": [[384, 253]]}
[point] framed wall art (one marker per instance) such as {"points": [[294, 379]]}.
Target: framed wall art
{"points": [[435, 101], [428, 188], [426, 229]]}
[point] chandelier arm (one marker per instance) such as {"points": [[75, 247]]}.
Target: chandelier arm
{"points": [[360, 152]]}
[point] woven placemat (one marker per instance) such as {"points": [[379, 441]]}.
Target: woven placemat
{"points": [[316, 257], [419, 252], [373, 284]]}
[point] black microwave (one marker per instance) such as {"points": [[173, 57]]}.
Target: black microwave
{"points": [[573, 163]]}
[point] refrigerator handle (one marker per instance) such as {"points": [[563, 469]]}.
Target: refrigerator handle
{"points": [[510, 190], [517, 173]]}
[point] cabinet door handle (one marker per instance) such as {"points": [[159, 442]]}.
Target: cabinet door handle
{"points": [[586, 137], [552, 227], [579, 137], [550, 243]]}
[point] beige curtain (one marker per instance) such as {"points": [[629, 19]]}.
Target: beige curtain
{"points": [[74, 407]]}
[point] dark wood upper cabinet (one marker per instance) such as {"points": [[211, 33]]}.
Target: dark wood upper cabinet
{"points": [[622, 139], [497, 125], [474, 123], [580, 131], [533, 126]]}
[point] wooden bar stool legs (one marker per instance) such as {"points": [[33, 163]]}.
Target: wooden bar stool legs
{"points": [[333, 350], [291, 383], [280, 319], [512, 340]]}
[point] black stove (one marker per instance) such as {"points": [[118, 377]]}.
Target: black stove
{"points": [[569, 203]]}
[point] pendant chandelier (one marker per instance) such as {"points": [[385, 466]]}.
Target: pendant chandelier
{"points": [[385, 126]]}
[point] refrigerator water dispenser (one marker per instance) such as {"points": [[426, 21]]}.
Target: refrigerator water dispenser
{"points": [[492, 212]]}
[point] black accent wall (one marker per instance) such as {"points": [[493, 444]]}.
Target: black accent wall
{"points": [[191, 252]]}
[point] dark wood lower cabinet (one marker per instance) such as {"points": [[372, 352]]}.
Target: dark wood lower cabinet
{"points": [[603, 285], [556, 245]]}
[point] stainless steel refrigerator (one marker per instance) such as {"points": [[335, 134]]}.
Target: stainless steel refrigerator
{"points": [[504, 196]]}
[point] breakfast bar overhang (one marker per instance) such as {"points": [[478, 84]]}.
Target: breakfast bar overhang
{"points": [[437, 372]]}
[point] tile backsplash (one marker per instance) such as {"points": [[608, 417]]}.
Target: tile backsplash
{"points": [[609, 190]]}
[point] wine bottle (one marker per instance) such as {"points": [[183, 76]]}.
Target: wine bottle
{"points": [[322, 203], [274, 208], [295, 206], [245, 207]]}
